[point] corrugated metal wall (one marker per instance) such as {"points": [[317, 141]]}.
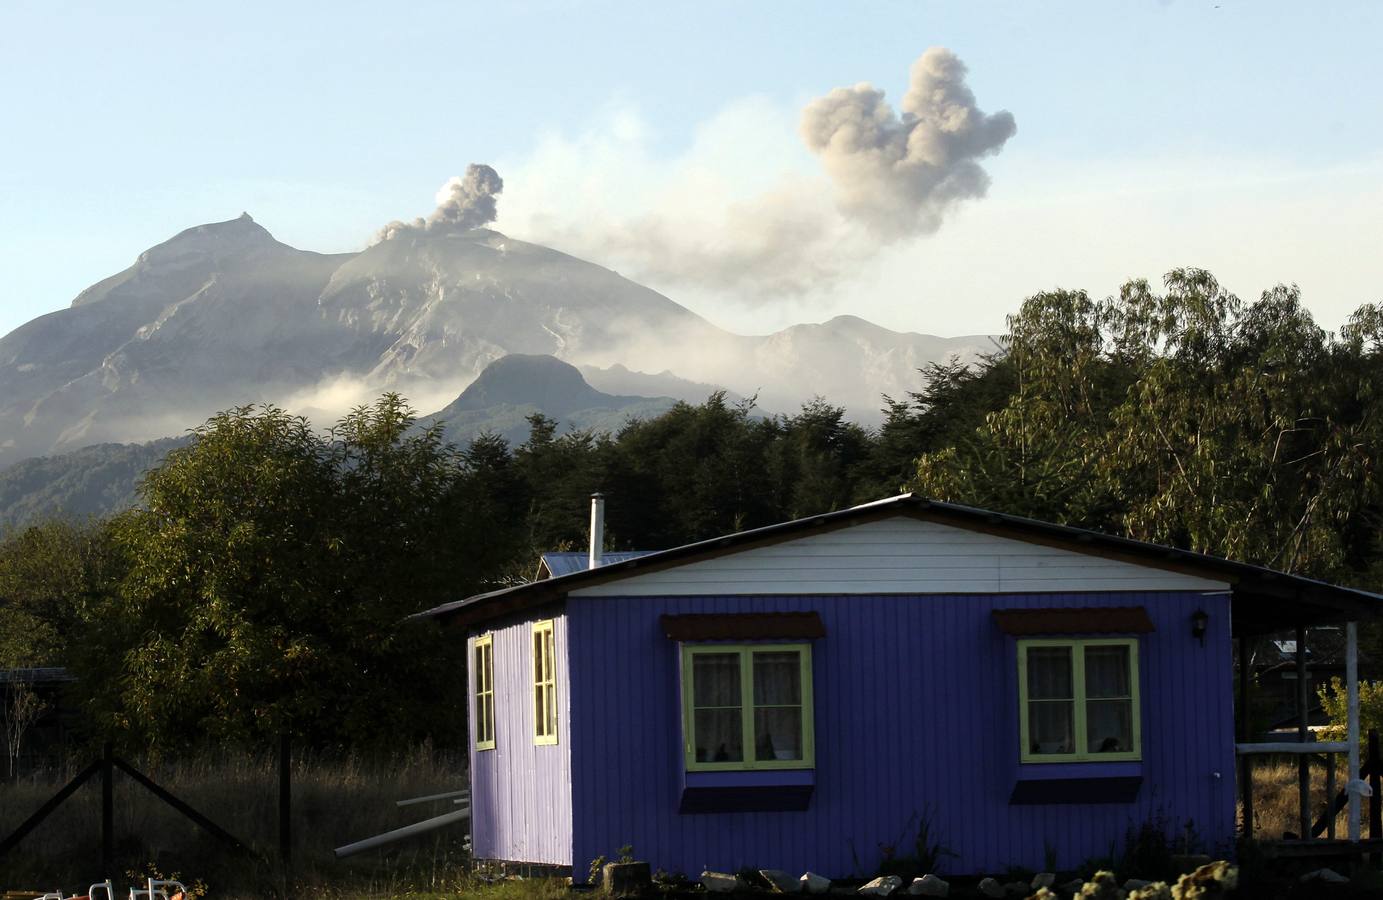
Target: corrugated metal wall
{"points": [[521, 792], [916, 715]]}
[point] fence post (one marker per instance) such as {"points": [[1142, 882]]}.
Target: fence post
{"points": [[286, 807], [107, 808], [1303, 735], [1246, 732], [1375, 802]]}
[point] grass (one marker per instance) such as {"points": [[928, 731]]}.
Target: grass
{"points": [[1275, 796], [334, 802]]}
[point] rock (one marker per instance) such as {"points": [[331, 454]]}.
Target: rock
{"points": [[929, 886], [781, 881], [991, 888], [1101, 886], [1043, 880], [882, 886], [626, 879], [1330, 876], [812, 883], [1184, 863], [1153, 890], [721, 883], [1134, 884], [1073, 886], [1212, 880], [1016, 888]]}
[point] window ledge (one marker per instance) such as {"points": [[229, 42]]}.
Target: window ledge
{"points": [[1077, 783], [763, 790]]}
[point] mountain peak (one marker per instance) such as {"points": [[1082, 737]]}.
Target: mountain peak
{"points": [[231, 237]]}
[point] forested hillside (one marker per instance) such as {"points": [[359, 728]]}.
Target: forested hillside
{"points": [[269, 559]]}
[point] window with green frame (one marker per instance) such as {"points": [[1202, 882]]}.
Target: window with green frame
{"points": [[747, 706], [544, 684], [1078, 699], [484, 669]]}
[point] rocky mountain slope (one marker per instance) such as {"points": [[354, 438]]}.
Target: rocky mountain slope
{"points": [[223, 315], [102, 479], [517, 386]]}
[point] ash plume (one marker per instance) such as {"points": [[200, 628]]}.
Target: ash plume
{"points": [[886, 176], [464, 202], [897, 175]]}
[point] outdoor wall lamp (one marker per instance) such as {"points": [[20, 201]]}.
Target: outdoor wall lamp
{"points": [[1199, 620]]}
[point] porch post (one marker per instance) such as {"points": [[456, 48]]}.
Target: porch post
{"points": [[1303, 735], [1352, 717], [1246, 732]]}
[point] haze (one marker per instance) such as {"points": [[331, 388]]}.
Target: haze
{"points": [[668, 143]]}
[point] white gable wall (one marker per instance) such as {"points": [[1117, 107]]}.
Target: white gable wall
{"points": [[900, 555]]}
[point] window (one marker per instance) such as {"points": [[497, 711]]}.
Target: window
{"points": [[1078, 700], [484, 693], [747, 707], [544, 684]]}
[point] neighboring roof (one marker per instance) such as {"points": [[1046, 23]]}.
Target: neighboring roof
{"points": [[47, 675], [1264, 600], [555, 565]]}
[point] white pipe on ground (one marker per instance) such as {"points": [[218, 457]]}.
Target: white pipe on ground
{"points": [[597, 529], [1352, 717], [408, 831]]}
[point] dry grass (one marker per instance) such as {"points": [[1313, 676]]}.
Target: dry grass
{"points": [[334, 802], [1275, 796]]}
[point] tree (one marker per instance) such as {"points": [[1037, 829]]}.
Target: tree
{"points": [[270, 570]]}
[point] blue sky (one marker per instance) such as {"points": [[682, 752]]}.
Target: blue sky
{"points": [[1242, 136]]}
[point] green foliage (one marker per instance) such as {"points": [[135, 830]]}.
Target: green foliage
{"points": [[267, 577], [49, 576], [1335, 702], [1189, 419]]}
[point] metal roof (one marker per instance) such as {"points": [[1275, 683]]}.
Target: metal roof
{"points": [[1264, 600], [559, 564]]}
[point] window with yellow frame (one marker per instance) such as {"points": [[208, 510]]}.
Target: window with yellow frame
{"points": [[747, 706], [544, 684], [484, 669], [1078, 700]]}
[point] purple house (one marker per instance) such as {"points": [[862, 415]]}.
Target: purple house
{"points": [[803, 696]]}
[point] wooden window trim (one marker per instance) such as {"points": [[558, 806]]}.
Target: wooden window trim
{"points": [[746, 651], [544, 682], [484, 691], [1077, 647]]}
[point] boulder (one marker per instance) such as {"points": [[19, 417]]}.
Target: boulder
{"points": [[1042, 880], [991, 888], [1134, 884], [1330, 876], [782, 882], [929, 886], [1073, 886], [626, 879], [812, 883], [882, 886], [1154, 890], [721, 883], [1016, 889]]}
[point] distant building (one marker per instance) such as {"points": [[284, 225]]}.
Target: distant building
{"points": [[803, 695]]}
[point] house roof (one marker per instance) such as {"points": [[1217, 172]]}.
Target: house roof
{"points": [[1264, 600], [46, 675], [555, 565]]}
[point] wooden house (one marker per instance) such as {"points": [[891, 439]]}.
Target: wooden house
{"points": [[803, 696]]}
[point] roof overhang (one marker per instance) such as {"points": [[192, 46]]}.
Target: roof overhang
{"points": [[1263, 600]]}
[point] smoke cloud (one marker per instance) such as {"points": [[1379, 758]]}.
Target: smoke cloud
{"points": [[897, 175], [755, 213], [464, 202]]}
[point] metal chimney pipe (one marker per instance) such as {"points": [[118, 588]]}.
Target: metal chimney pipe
{"points": [[597, 529]]}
